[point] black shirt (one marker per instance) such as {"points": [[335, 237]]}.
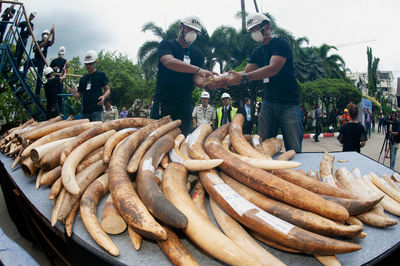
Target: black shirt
{"points": [[351, 135], [174, 86], [6, 16], [91, 87], [281, 88], [51, 89], [24, 29], [44, 50], [58, 62], [396, 128]]}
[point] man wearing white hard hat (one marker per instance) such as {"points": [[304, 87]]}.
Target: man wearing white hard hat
{"points": [[204, 113], [38, 62], [51, 88], [226, 112], [91, 86], [272, 63], [180, 68], [58, 65]]}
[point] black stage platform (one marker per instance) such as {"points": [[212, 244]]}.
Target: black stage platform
{"points": [[31, 209]]}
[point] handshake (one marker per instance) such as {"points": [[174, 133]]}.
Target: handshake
{"points": [[230, 78]]}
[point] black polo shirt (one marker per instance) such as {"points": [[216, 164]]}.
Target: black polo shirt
{"points": [[91, 87], [281, 88], [175, 86], [58, 62]]}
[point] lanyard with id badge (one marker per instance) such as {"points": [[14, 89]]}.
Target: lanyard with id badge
{"points": [[89, 84], [186, 57]]}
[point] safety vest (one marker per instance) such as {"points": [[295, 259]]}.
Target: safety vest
{"points": [[219, 114]]}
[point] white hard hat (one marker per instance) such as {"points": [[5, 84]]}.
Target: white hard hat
{"points": [[205, 95], [225, 95], [48, 70], [46, 32], [90, 57], [255, 19], [34, 13], [192, 22], [61, 50]]}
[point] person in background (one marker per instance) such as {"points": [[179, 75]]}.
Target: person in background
{"points": [[59, 64], [248, 113], [37, 61], [109, 112], [24, 36], [226, 112], [395, 143], [318, 128], [345, 117], [368, 118], [123, 113], [204, 113], [91, 86], [353, 135], [180, 68], [7, 15], [311, 114], [373, 122], [272, 63], [380, 122], [51, 88]]}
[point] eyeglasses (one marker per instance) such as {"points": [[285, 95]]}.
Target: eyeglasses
{"points": [[89, 64]]}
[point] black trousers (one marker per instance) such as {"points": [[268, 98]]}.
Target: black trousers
{"points": [[182, 111], [247, 127]]}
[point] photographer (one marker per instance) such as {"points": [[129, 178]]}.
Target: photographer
{"points": [[395, 139]]}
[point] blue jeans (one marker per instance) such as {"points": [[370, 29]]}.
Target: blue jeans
{"points": [[275, 116], [93, 116], [368, 129], [393, 155]]}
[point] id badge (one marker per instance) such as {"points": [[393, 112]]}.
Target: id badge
{"points": [[186, 59], [266, 80], [88, 86]]}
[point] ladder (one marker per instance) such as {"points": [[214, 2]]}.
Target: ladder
{"points": [[20, 77]]}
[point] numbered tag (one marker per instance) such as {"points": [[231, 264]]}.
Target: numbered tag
{"points": [[88, 86], [266, 80], [186, 59]]}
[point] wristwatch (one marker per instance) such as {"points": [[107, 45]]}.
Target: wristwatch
{"points": [[244, 79]]}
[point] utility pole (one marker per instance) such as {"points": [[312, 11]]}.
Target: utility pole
{"points": [[255, 5], [243, 11]]}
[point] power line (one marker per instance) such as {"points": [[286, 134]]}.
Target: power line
{"points": [[354, 43]]}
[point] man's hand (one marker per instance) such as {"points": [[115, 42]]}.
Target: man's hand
{"points": [[101, 100], [235, 79], [205, 73]]}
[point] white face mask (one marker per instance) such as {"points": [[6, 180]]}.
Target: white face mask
{"points": [[257, 36], [190, 37]]}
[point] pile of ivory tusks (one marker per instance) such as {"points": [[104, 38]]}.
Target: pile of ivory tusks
{"points": [[149, 170]]}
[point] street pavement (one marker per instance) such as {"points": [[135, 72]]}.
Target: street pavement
{"points": [[372, 148], [330, 144]]}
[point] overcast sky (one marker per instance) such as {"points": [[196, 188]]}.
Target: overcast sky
{"points": [[116, 25]]}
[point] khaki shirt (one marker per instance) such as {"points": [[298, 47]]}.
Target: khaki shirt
{"points": [[204, 116], [111, 114]]}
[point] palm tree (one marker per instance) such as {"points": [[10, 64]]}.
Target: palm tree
{"points": [[334, 64], [230, 47], [308, 64], [147, 55]]}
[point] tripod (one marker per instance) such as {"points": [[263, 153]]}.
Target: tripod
{"points": [[387, 141]]}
